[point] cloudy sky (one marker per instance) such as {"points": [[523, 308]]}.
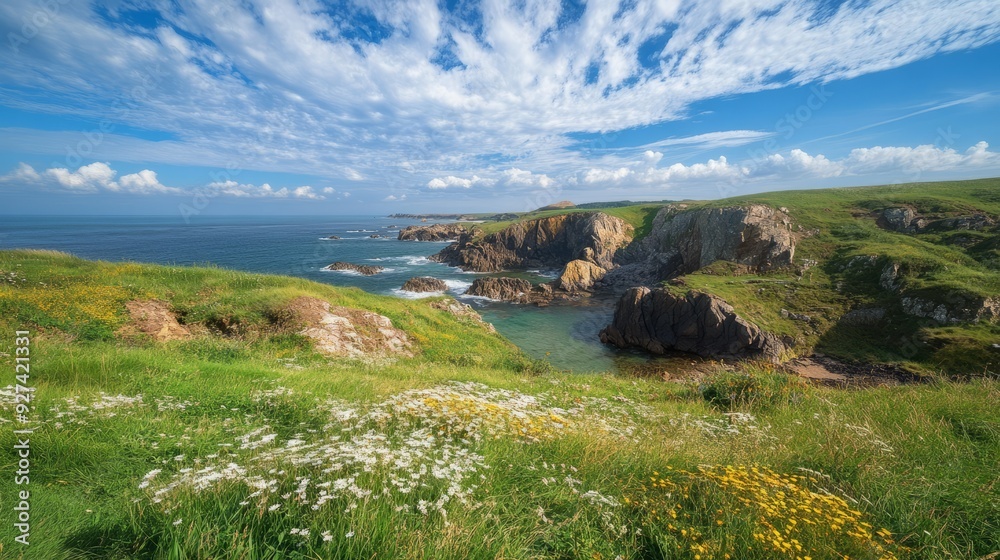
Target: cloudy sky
{"points": [[284, 106]]}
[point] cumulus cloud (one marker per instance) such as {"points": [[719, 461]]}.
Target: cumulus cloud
{"points": [[457, 182], [442, 88], [248, 190], [91, 178], [797, 164]]}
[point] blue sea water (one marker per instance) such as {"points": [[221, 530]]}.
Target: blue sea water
{"points": [[563, 333]]}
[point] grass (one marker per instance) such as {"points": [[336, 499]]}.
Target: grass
{"points": [[243, 442]]}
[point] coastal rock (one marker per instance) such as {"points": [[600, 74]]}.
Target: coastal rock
{"points": [[364, 269], [658, 321], [154, 318], [436, 232], [347, 332], [464, 312], [377, 236], [424, 284], [544, 242], [580, 276], [334, 237], [680, 242], [514, 290]]}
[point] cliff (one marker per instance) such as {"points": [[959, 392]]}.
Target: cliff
{"points": [[545, 242]]}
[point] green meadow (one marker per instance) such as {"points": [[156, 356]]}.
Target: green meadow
{"points": [[244, 442]]}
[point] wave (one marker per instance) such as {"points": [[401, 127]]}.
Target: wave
{"points": [[411, 260], [458, 286], [415, 295]]}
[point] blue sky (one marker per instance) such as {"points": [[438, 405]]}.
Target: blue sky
{"points": [[200, 107]]}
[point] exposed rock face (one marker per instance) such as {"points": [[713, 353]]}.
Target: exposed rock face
{"points": [[580, 276], [364, 269], [959, 309], [153, 317], [545, 242], [658, 321], [975, 222], [346, 332], [463, 312], [424, 284], [514, 290], [436, 232], [681, 242], [901, 218]]}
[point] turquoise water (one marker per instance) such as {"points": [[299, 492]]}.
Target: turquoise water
{"points": [[564, 333]]}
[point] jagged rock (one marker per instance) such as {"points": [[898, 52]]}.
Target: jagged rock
{"points": [[863, 317], [343, 331], [658, 321], [544, 242], [334, 237], [902, 219], [515, 290], [424, 284], [377, 236], [580, 276], [367, 270], [463, 312], [436, 232], [681, 242]]}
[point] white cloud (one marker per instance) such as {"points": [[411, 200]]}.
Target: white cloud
{"points": [[457, 182], [249, 190], [523, 77], [394, 198], [797, 164], [91, 178]]}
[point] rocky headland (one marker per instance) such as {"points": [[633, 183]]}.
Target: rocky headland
{"points": [[434, 232], [424, 284]]}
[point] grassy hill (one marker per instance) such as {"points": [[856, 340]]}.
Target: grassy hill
{"points": [[243, 441]]}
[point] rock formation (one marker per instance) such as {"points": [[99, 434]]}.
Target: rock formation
{"points": [[680, 242], [580, 276], [514, 290], [462, 311], [424, 284], [334, 237], [436, 232], [347, 332], [153, 317], [659, 321], [544, 242], [901, 219], [364, 269]]}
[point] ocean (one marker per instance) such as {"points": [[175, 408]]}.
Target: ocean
{"points": [[564, 333]]}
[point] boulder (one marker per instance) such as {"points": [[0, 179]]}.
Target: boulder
{"points": [[580, 276], [683, 241], [334, 237], [364, 269], [659, 321], [424, 284], [154, 318], [436, 232], [541, 243]]}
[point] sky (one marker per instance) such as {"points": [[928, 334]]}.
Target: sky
{"points": [[207, 107]]}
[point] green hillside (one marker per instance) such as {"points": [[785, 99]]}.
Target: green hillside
{"points": [[243, 441]]}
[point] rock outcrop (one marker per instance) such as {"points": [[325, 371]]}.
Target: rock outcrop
{"points": [[902, 219], [424, 284], [347, 332], [514, 290], [364, 269], [680, 242], [436, 232], [463, 312], [659, 321], [334, 237], [957, 309], [545, 242], [580, 276]]}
